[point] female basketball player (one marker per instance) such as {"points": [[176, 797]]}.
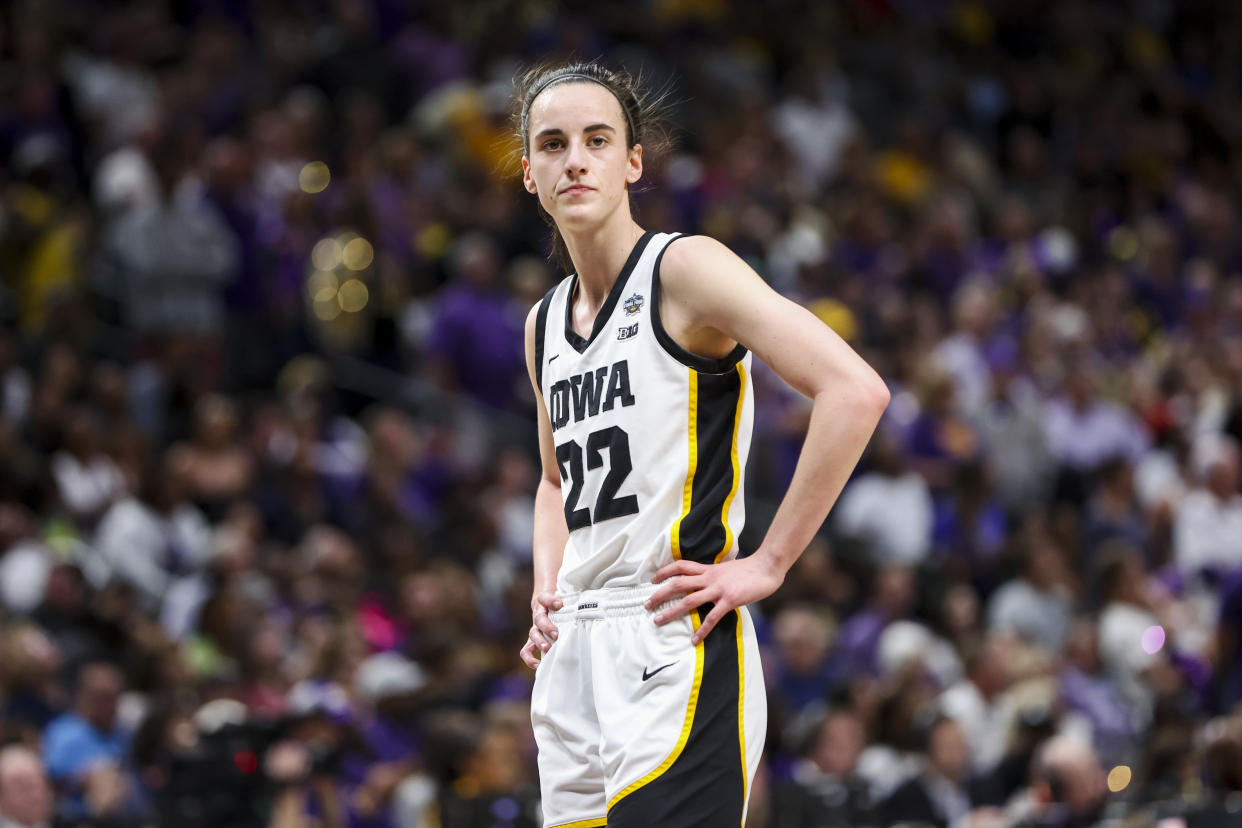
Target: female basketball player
{"points": [[648, 704]]}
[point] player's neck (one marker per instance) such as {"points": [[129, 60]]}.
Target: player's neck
{"points": [[599, 255]]}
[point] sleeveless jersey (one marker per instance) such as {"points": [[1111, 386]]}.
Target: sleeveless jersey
{"points": [[651, 440]]}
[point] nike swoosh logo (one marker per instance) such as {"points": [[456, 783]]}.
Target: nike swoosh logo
{"points": [[554, 356], [647, 675]]}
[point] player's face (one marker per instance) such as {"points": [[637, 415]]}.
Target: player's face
{"points": [[577, 162]]}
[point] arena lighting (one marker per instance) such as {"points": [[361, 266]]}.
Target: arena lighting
{"points": [[322, 286], [1153, 639], [327, 253], [358, 254], [327, 309], [314, 177], [1119, 778], [353, 296], [1123, 243]]}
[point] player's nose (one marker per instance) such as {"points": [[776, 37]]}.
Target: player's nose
{"points": [[576, 157]]}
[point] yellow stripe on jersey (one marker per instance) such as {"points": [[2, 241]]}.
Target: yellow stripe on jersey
{"points": [[741, 699], [685, 726], [601, 822], [737, 472], [693, 440]]}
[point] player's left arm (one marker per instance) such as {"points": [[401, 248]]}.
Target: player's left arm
{"points": [[712, 299]]}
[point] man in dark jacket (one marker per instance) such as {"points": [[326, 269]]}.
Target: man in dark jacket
{"points": [[825, 791]]}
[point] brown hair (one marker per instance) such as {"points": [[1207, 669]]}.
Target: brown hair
{"points": [[646, 120]]}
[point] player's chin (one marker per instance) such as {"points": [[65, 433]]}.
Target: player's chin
{"points": [[580, 212]]}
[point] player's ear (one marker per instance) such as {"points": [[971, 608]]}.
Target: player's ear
{"points": [[527, 181], [634, 164]]}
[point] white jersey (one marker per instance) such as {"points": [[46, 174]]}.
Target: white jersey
{"points": [[651, 440]]}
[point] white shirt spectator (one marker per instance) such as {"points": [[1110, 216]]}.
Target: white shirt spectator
{"points": [[1121, 628], [1158, 479], [961, 357], [1207, 531], [986, 724], [1085, 438], [122, 98], [1040, 616], [892, 514], [150, 550], [1012, 426], [16, 391], [86, 488], [903, 642], [124, 180], [815, 133], [24, 571], [886, 769]]}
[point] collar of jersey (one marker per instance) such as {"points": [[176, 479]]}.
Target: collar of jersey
{"points": [[618, 287]]}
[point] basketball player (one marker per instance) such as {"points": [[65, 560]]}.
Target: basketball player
{"points": [[648, 705]]}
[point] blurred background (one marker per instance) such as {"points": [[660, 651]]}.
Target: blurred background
{"points": [[267, 445]]}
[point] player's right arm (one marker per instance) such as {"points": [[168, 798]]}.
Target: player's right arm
{"points": [[551, 531]]}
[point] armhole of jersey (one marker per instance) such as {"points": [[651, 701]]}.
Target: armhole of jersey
{"points": [[541, 324], [690, 360]]}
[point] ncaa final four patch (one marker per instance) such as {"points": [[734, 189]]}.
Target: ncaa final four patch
{"points": [[633, 305], [627, 331]]}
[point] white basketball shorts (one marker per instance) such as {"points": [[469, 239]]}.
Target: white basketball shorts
{"points": [[637, 727]]}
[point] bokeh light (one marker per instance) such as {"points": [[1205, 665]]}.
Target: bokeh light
{"points": [[353, 296], [1119, 778], [433, 240], [327, 254], [1123, 243], [327, 310], [322, 285], [314, 177], [358, 254], [1153, 639]]}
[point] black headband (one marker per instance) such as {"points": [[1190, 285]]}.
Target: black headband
{"points": [[573, 76]]}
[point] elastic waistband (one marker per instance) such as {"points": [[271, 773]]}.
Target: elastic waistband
{"points": [[610, 602]]}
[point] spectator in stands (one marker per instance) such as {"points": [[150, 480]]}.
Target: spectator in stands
{"points": [[1208, 524], [1037, 604], [806, 672], [826, 791], [938, 795], [1067, 787], [478, 330], [25, 792], [214, 468], [85, 749], [86, 478], [888, 508], [979, 703]]}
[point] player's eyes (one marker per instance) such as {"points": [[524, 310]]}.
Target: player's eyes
{"points": [[598, 141], [552, 144]]}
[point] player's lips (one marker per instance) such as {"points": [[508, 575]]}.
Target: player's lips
{"points": [[576, 189]]}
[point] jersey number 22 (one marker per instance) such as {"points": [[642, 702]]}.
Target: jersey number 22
{"points": [[607, 504]]}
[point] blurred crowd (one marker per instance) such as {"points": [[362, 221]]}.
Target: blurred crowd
{"points": [[267, 445]]}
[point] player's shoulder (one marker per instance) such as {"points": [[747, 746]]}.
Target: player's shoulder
{"points": [[691, 265], [692, 252]]}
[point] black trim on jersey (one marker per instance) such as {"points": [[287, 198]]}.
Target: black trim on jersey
{"points": [[686, 358], [706, 783], [702, 533], [541, 322], [605, 313]]}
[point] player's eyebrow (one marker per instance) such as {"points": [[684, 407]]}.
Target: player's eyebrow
{"points": [[558, 131]]}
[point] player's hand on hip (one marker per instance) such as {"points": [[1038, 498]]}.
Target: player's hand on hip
{"points": [[542, 630], [727, 586]]}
